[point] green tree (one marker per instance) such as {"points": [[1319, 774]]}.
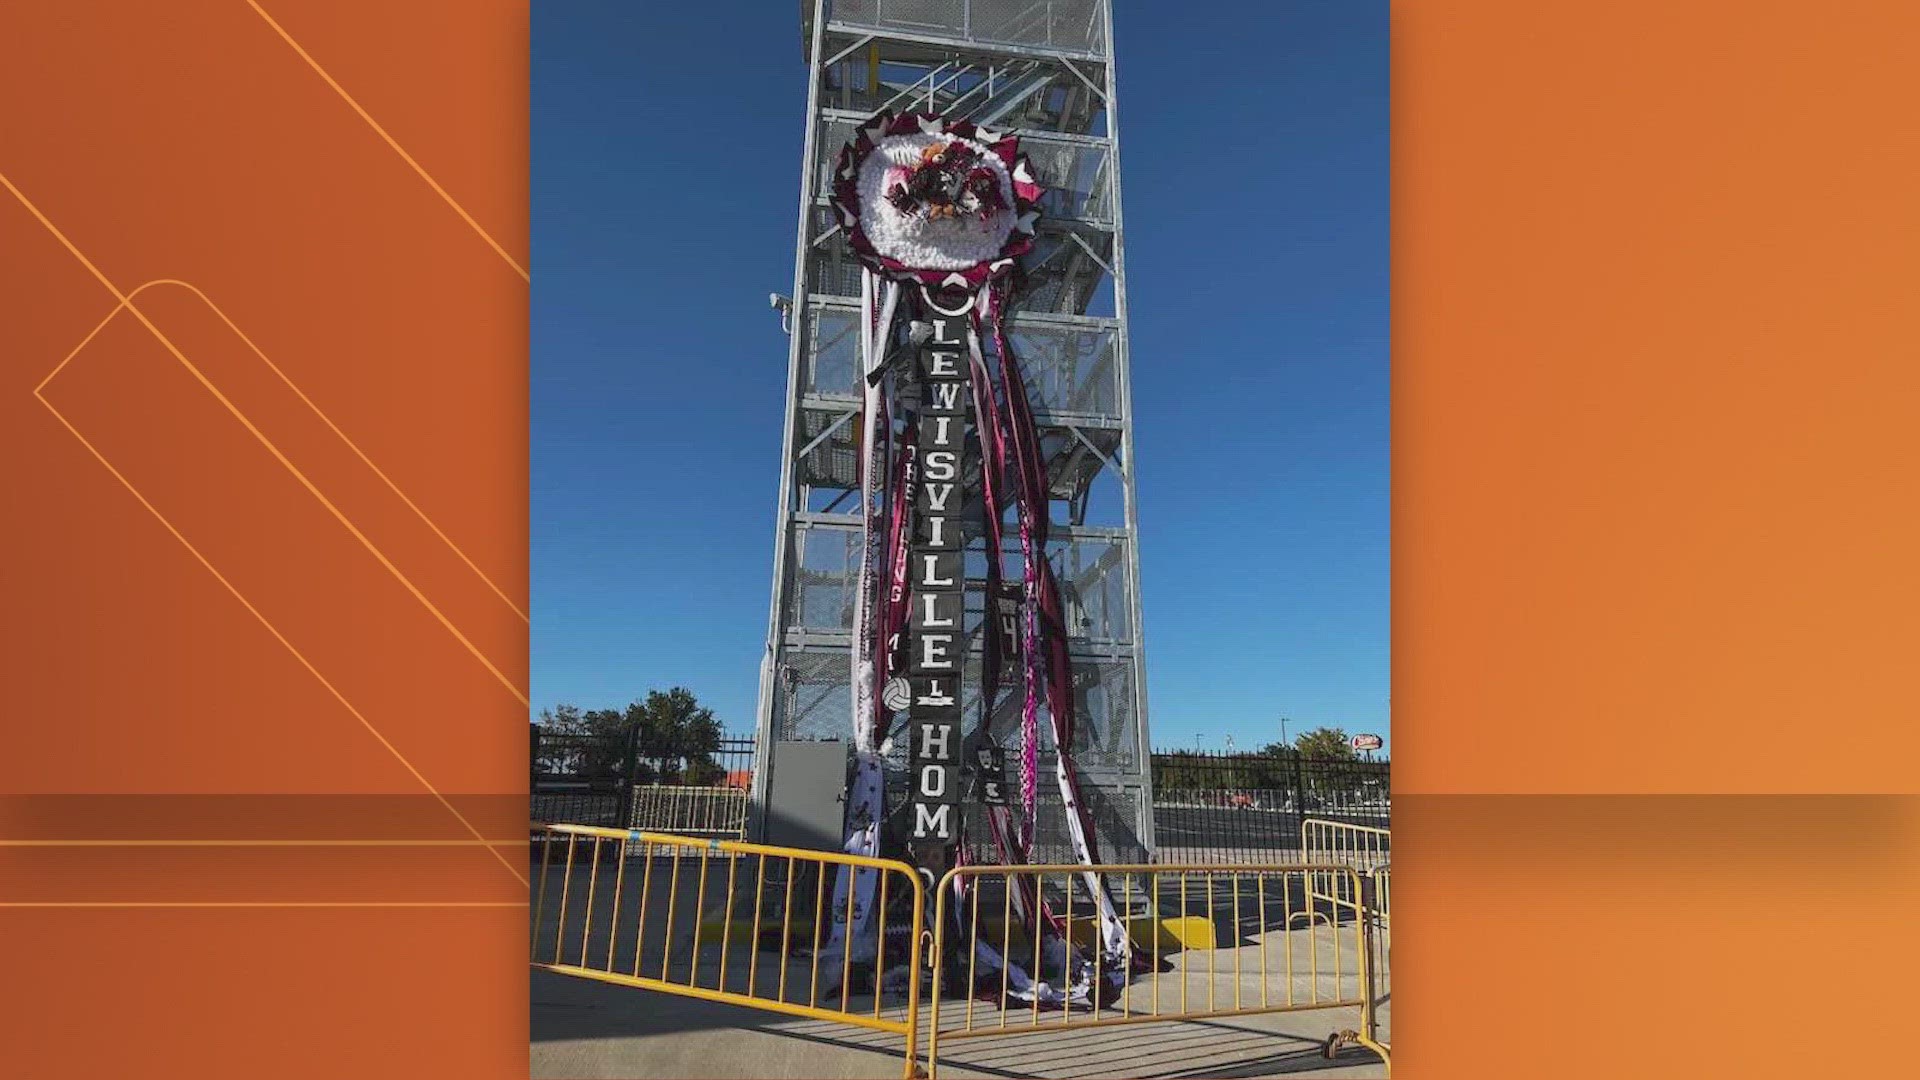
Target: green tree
{"points": [[1325, 744], [585, 743], [1183, 770], [1332, 783], [678, 738]]}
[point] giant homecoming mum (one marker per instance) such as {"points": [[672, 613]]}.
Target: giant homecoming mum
{"points": [[940, 212], [945, 204]]}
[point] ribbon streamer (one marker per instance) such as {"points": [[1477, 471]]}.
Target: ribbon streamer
{"points": [[866, 795]]}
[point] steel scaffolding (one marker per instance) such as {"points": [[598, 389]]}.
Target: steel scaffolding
{"points": [[1044, 69]]}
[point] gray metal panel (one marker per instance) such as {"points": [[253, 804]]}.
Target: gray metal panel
{"points": [[804, 791]]}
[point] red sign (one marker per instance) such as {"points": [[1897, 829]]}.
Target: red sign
{"points": [[1367, 742]]}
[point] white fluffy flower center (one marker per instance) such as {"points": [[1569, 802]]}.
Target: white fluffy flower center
{"points": [[919, 240]]}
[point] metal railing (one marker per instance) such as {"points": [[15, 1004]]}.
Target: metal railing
{"points": [[1382, 905], [1338, 843], [1214, 807], [614, 779], [1324, 786], [583, 803], [625, 756], [1251, 922], [702, 915], [705, 812], [1071, 26], [1367, 897], [754, 925], [1380, 930]]}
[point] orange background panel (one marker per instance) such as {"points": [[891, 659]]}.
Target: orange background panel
{"points": [[454, 877], [384, 277], [392, 656], [263, 992], [193, 143], [1600, 937], [1654, 392], [236, 168]]}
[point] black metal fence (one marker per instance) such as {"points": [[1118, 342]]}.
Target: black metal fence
{"points": [[1222, 807], [1290, 781], [1207, 806], [589, 779], [625, 757]]}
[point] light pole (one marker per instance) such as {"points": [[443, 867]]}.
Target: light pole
{"points": [[1283, 732]]}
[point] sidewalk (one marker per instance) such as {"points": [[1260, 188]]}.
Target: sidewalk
{"points": [[587, 1030]]}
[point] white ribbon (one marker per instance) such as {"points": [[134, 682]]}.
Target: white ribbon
{"points": [[877, 303], [865, 796]]}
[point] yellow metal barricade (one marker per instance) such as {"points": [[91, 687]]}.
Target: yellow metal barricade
{"points": [[1367, 850], [1209, 940], [1337, 843], [1380, 929], [722, 920], [690, 811]]}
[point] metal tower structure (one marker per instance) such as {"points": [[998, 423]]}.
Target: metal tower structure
{"points": [[1044, 69]]}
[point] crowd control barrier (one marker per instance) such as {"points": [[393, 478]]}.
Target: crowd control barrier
{"points": [[722, 920], [1205, 940], [1337, 843], [1368, 850], [1380, 929], [705, 812]]}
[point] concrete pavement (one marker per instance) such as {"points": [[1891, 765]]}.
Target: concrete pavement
{"points": [[588, 1029]]}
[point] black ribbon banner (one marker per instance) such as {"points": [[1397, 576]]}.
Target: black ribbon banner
{"points": [[937, 645]]}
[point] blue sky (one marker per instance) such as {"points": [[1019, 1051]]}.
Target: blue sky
{"points": [[1254, 174]]}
